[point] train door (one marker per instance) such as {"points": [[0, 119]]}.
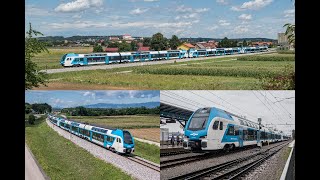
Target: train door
{"points": [[117, 144], [240, 137]]}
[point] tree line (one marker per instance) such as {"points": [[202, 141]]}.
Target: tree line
{"points": [[82, 111], [40, 108], [157, 43]]}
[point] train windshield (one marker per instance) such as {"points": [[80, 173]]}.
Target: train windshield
{"points": [[63, 57], [127, 137], [199, 119]]}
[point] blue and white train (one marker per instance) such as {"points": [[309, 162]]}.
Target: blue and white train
{"points": [[72, 59], [116, 140], [211, 128]]}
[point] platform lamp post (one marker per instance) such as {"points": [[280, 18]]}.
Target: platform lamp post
{"points": [[259, 134]]}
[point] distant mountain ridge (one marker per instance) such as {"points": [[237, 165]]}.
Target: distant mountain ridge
{"points": [[118, 106]]}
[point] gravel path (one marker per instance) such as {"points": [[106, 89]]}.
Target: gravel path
{"points": [[271, 169], [111, 66], [202, 164], [136, 170], [147, 141]]}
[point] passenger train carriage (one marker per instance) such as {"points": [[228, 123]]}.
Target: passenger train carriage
{"points": [[72, 59], [211, 128], [116, 140]]}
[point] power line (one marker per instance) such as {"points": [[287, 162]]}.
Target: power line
{"points": [[267, 100], [281, 105], [180, 100], [209, 100], [203, 105], [231, 104]]}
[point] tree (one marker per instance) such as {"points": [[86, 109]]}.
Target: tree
{"points": [[124, 46], [134, 46], [97, 48], [31, 119], [290, 33], [27, 108], [33, 78], [174, 42], [147, 42], [244, 43], [158, 42]]}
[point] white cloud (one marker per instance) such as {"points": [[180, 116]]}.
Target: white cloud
{"points": [[78, 5], [138, 11], [212, 28], [289, 13], [86, 93], [76, 16], [34, 11], [240, 29], [224, 23], [150, 0], [184, 9], [224, 2], [245, 17], [252, 5]]}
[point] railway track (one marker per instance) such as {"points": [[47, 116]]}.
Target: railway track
{"points": [[233, 169], [179, 161], [172, 153], [145, 163]]}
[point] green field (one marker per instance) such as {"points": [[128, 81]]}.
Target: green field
{"points": [[226, 73], [122, 122], [59, 158], [147, 151], [51, 60]]}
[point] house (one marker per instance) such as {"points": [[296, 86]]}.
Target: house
{"points": [[127, 37], [186, 46], [113, 38], [112, 49], [206, 45], [261, 43], [144, 48]]}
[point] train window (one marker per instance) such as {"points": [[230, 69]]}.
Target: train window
{"points": [[119, 140], [231, 131], [199, 119], [221, 126], [127, 137], [236, 130], [215, 125]]}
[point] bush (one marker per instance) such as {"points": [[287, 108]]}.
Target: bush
{"points": [[285, 81], [98, 48], [31, 119]]}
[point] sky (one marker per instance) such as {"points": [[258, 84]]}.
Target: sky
{"points": [[275, 108], [184, 18], [73, 98]]}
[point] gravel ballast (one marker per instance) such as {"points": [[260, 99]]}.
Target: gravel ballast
{"points": [[202, 164], [136, 170]]}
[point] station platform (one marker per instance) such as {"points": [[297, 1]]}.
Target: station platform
{"points": [[288, 170]]}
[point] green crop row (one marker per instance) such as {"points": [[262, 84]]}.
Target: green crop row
{"points": [[235, 72], [267, 58]]}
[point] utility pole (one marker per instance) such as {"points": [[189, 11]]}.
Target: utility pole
{"points": [[258, 134]]}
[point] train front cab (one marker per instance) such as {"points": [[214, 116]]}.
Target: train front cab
{"points": [[205, 129]]}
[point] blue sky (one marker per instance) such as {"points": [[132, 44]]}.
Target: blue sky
{"points": [[78, 98], [185, 18]]}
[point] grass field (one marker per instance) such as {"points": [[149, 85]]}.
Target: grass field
{"points": [[226, 73], [141, 126], [51, 60], [147, 151], [59, 157], [122, 122]]}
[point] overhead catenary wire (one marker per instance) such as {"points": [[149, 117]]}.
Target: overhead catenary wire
{"points": [[232, 104], [266, 100]]}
